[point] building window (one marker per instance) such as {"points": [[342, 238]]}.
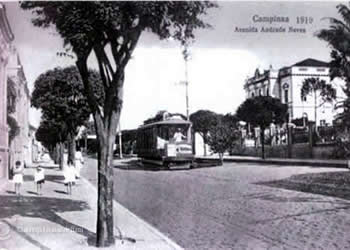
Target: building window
{"points": [[304, 98], [286, 96], [321, 70], [302, 69], [322, 123]]}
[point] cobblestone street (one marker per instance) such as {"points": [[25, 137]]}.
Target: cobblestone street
{"points": [[234, 207]]}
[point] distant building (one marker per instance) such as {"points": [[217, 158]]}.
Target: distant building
{"points": [[6, 38], [286, 84], [34, 147], [263, 83]]}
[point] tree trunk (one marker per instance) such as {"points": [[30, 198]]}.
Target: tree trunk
{"points": [[71, 147], [262, 138], [57, 153], [204, 145], [61, 155], [221, 159], [105, 223]]}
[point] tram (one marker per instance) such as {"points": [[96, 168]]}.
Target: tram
{"points": [[166, 143]]}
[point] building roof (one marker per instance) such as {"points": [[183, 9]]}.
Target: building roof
{"points": [[310, 62], [167, 122]]}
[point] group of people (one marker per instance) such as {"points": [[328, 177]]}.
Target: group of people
{"points": [[71, 173], [39, 178]]}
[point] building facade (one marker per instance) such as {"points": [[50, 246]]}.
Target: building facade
{"points": [[19, 145], [286, 84], [6, 38]]}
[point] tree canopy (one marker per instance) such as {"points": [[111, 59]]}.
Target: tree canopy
{"points": [[312, 85], [49, 133], [262, 111], [59, 93], [337, 35]]}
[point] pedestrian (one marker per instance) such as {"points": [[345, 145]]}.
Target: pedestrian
{"points": [[39, 179], [69, 176], [18, 177], [79, 163]]}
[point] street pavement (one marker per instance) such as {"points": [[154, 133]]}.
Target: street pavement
{"points": [[236, 206], [59, 221]]}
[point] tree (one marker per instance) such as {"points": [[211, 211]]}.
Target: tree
{"points": [[319, 89], [337, 36], [223, 135], [59, 93], [202, 122], [51, 134], [95, 27], [261, 111], [231, 121]]}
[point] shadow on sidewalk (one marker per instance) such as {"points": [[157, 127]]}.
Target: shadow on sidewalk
{"points": [[44, 208], [334, 184], [55, 178]]}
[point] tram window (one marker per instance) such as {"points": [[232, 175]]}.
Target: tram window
{"points": [[164, 133]]}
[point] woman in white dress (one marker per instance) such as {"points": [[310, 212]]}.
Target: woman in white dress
{"points": [[18, 177], [69, 176], [79, 161]]}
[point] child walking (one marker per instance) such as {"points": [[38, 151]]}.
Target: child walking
{"points": [[39, 179], [69, 176], [79, 161], [18, 177]]}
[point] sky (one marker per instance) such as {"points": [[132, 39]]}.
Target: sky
{"points": [[221, 57]]}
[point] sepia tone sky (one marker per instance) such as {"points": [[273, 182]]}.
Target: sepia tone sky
{"points": [[221, 58]]}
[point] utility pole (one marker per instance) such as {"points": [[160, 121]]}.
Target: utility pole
{"points": [[186, 55]]}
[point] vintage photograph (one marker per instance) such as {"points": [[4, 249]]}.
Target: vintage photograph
{"points": [[174, 125]]}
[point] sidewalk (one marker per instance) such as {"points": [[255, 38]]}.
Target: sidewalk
{"points": [[280, 161], [57, 220]]}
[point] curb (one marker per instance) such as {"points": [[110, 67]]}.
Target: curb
{"points": [[282, 161], [147, 225]]}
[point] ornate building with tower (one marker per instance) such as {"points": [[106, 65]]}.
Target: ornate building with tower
{"points": [[286, 83]]}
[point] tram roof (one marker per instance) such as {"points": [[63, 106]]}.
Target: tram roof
{"points": [[166, 122]]}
